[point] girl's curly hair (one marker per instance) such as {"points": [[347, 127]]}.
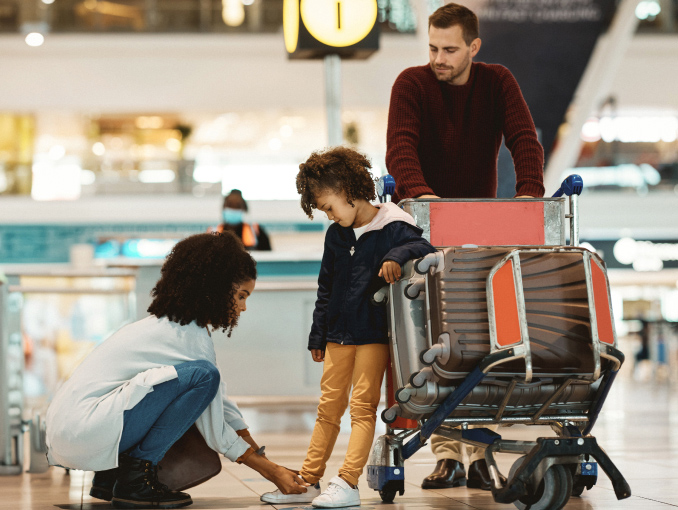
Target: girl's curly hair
{"points": [[335, 169], [199, 278]]}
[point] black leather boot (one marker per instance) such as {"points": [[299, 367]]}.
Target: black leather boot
{"points": [[479, 476], [102, 484], [137, 486], [447, 474]]}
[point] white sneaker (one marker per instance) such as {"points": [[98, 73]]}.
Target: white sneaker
{"points": [[312, 491], [337, 495]]}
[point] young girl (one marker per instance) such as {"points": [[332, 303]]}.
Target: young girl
{"points": [[137, 393], [364, 247]]}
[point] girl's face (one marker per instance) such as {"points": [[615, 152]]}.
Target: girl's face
{"points": [[242, 292], [336, 207]]}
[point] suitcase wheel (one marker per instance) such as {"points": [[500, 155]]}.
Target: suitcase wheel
{"points": [[389, 415], [403, 395]]}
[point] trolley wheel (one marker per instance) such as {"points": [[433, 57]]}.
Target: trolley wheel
{"points": [[579, 483], [578, 489], [387, 496], [553, 491]]}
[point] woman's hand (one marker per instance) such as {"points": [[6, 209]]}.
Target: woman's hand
{"points": [[390, 271], [289, 482], [318, 355]]}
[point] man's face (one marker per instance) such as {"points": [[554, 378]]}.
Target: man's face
{"points": [[450, 57]]}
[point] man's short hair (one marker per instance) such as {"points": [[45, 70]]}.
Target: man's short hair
{"points": [[455, 14]]}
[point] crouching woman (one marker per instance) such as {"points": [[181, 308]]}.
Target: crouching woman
{"points": [[139, 391]]}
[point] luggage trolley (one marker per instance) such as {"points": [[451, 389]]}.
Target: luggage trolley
{"points": [[514, 328]]}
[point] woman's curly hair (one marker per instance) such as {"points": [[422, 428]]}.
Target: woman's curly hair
{"points": [[335, 169], [199, 279]]}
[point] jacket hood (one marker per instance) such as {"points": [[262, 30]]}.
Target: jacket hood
{"points": [[388, 213]]}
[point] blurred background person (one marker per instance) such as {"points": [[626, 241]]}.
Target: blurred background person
{"points": [[234, 212]]}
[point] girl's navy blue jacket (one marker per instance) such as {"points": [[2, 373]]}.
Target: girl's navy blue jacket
{"points": [[344, 313]]}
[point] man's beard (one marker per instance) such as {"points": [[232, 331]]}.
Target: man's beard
{"points": [[454, 74]]}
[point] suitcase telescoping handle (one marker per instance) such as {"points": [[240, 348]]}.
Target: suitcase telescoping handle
{"points": [[572, 186]]}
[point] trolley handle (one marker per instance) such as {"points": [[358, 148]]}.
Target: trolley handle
{"points": [[572, 186], [385, 188]]}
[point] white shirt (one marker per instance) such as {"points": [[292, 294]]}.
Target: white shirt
{"points": [[360, 231], [84, 421]]}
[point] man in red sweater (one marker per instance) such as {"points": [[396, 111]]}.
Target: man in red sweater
{"points": [[446, 120], [445, 126]]}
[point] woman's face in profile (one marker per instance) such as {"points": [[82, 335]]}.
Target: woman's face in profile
{"points": [[242, 292]]}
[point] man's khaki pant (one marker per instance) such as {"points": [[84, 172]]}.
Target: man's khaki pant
{"points": [[445, 448], [360, 366]]}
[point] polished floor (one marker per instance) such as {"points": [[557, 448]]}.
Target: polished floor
{"points": [[638, 429]]}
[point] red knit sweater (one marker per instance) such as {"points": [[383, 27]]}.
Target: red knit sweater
{"points": [[444, 139]]}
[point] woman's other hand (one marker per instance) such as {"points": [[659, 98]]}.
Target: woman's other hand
{"points": [[318, 355], [289, 482]]}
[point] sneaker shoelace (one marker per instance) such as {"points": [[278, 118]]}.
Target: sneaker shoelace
{"points": [[333, 489]]}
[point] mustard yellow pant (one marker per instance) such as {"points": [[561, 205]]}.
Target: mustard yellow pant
{"points": [[359, 366]]}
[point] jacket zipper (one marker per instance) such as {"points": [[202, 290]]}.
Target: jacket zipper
{"points": [[350, 278], [350, 275]]}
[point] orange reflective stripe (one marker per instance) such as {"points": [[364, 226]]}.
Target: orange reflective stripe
{"points": [[506, 306], [602, 304], [248, 237]]}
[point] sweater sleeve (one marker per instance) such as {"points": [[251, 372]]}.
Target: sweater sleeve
{"points": [[521, 139], [407, 244], [402, 138], [318, 337]]}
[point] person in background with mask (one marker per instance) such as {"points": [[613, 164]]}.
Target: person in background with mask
{"points": [[252, 235]]}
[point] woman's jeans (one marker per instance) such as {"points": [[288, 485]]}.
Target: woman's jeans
{"points": [[157, 422]]}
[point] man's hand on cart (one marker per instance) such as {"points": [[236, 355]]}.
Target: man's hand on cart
{"points": [[318, 355], [428, 196], [390, 271]]}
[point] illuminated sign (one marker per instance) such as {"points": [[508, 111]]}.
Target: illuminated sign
{"points": [[640, 255], [631, 129], [316, 28], [645, 255]]}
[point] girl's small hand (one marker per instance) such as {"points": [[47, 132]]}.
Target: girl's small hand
{"points": [[318, 355], [390, 271]]}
